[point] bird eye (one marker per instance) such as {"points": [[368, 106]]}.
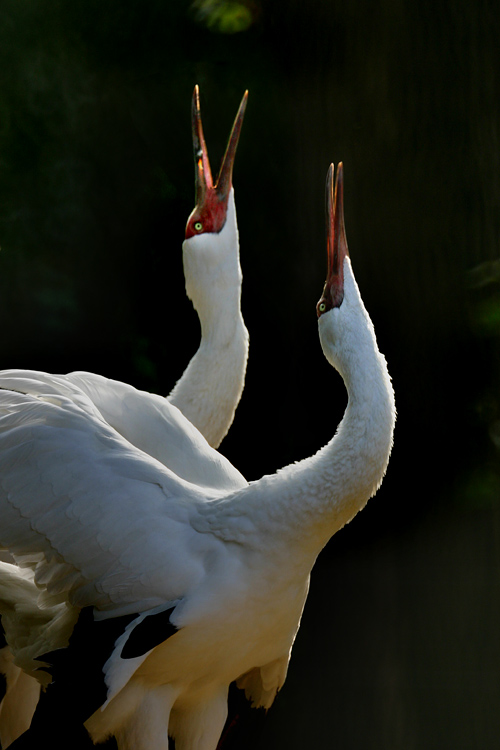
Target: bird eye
{"points": [[198, 226], [322, 307]]}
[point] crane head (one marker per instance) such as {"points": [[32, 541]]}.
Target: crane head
{"points": [[336, 242], [209, 214]]}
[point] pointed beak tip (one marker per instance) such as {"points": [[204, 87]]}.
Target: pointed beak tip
{"points": [[203, 174], [224, 179], [340, 174], [336, 240], [241, 111], [196, 99]]}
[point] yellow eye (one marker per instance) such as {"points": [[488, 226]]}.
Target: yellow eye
{"points": [[198, 226], [322, 307]]}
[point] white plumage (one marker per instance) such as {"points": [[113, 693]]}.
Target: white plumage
{"points": [[207, 393], [211, 386], [222, 565]]}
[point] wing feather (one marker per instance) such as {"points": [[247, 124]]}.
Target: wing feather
{"points": [[145, 420], [157, 427], [101, 522], [262, 684]]}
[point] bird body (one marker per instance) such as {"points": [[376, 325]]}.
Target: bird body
{"points": [[206, 582], [199, 661], [207, 393]]}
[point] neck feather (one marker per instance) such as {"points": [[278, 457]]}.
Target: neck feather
{"points": [[305, 503], [210, 388]]}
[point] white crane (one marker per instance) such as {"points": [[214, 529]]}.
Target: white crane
{"points": [[210, 388], [208, 392], [187, 581]]}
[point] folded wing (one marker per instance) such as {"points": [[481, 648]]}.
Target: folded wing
{"points": [[101, 522]]}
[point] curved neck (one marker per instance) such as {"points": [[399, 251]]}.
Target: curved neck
{"points": [[308, 502], [210, 388], [305, 503], [342, 476]]}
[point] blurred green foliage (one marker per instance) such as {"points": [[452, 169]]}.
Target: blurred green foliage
{"points": [[488, 317], [481, 490], [224, 16]]}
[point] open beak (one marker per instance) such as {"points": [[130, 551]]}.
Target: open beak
{"points": [[203, 174], [336, 242]]}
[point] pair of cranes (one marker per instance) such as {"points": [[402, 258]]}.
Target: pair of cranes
{"points": [[147, 568]]}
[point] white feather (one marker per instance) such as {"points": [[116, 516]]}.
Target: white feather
{"points": [[211, 386], [207, 393], [106, 525]]}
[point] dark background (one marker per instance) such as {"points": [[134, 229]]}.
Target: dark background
{"points": [[399, 646]]}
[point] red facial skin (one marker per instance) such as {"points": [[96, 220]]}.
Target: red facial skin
{"points": [[211, 215], [336, 243]]}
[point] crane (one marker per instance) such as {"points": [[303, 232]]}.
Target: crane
{"points": [[183, 584], [210, 388], [208, 392]]}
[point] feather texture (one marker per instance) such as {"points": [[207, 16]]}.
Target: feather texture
{"points": [[225, 569]]}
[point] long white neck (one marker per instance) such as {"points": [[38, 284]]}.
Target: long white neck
{"points": [[210, 388], [297, 510]]}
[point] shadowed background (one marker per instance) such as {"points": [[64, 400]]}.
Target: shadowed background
{"points": [[399, 644]]}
